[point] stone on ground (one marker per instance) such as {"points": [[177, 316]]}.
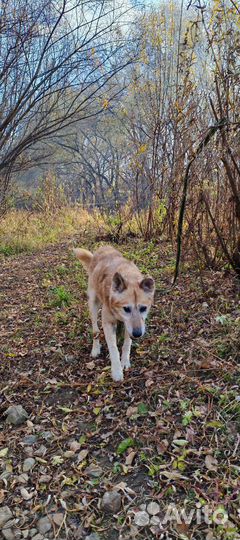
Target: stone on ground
{"points": [[141, 518], [44, 525], [153, 508], [5, 515], [8, 534], [111, 502], [16, 415], [28, 464]]}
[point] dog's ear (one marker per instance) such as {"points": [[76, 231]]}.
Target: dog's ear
{"points": [[147, 284], [118, 283]]}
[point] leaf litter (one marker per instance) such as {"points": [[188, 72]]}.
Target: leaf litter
{"points": [[167, 436]]}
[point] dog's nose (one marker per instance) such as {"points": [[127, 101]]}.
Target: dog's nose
{"points": [[137, 332]]}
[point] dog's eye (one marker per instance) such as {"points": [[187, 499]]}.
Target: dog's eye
{"points": [[127, 309], [142, 309]]}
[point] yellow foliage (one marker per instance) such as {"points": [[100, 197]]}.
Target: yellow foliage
{"points": [[178, 107], [144, 57], [105, 103], [217, 6], [142, 149]]}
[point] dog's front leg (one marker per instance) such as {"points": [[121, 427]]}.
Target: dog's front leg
{"points": [[109, 329], [93, 308], [125, 359]]}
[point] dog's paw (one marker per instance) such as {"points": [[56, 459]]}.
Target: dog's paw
{"points": [[117, 375], [96, 350], [126, 364]]}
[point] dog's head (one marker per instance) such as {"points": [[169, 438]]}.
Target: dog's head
{"points": [[131, 302]]}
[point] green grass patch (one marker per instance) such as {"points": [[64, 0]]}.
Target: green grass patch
{"points": [[62, 297]]}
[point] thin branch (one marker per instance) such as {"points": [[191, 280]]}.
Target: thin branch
{"points": [[211, 132]]}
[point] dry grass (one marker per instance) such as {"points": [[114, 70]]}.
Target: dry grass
{"points": [[21, 230], [27, 231]]}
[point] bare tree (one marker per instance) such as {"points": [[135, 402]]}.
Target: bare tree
{"points": [[56, 58]]}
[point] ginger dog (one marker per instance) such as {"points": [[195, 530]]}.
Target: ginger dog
{"points": [[125, 295]]}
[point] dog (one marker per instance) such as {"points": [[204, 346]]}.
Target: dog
{"points": [[125, 295]]}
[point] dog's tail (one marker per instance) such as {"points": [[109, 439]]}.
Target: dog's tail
{"points": [[84, 256]]}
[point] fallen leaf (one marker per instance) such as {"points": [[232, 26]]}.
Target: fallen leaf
{"points": [[90, 365], [149, 382], [2, 495], [131, 411], [66, 410], [82, 455], [25, 494], [180, 442], [162, 446], [75, 446], [211, 463], [214, 424], [142, 409], [130, 457], [69, 454], [57, 460], [174, 475], [124, 445], [58, 518], [4, 452]]}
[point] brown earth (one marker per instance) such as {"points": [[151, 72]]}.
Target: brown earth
{"points": [[179, 403]]}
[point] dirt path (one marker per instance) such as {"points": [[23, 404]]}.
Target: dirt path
{"points": [[179, 405]]}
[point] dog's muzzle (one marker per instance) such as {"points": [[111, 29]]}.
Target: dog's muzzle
{"points": [[137, 332]]}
